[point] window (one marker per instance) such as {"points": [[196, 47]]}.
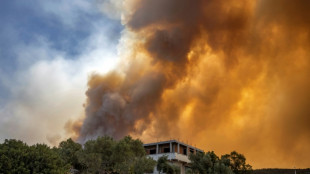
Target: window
{"points": [[166, 150], [153, 151], [185, 151], [191, 150]]}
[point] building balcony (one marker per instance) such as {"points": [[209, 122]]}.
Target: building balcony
{"points": [[171, 156]]}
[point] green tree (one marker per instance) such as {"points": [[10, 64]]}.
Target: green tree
{"points": [[200, 163], [208, 163], [68, 151], [221, 167], [96, 155], [18, 157], [161, 163], [14, 157], [164, 166], [176, 169], [105, 155], [238, 163], [124, 155], [127, 152], [144, 165], [43, 159]]}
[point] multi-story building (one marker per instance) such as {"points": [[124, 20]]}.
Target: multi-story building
{"points": [[176, 151]]}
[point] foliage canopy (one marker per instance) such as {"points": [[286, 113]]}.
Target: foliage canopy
{"points": [[210, 163], [106, 155], [103, 155]]}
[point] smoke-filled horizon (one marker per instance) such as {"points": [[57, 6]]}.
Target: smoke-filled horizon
{"points": [[224, 75]]}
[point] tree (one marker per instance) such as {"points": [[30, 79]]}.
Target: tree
{"points": [[18, 157], [208, 163], [127, 151], [96, 155], [200, 163], [43, 159], [68, 151], [176, 169], [105, 155], [161, 163], [238, 163], [222, 167], [144, 165], [164, 166], [14, 157]]}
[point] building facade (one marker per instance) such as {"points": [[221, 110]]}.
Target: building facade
{"points": [[176, 151]]}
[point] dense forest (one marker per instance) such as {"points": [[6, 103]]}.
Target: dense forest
{"points": [[106, 155]]}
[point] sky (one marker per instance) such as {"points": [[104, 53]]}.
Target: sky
{"points": [[219, 75], [48, 50]]}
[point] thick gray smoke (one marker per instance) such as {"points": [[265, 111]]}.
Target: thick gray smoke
{"points": [[227, 75]]}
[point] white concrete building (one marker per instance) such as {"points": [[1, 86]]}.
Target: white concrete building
{"points": [[177, 152]]}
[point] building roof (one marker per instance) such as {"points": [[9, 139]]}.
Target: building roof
{"points": [[172, 141]]}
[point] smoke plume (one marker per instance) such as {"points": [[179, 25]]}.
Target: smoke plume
{"points": [[222, 75]]}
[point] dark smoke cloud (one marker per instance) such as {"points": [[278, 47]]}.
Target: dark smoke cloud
{"points": [[225, 75], [113, 108]]}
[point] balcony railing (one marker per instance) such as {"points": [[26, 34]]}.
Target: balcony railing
{"points": [[171, 156]]}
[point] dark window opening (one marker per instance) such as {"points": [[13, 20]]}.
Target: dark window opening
{"points": [[166, 150], [185, 151], [153, 151], [191, 151]]}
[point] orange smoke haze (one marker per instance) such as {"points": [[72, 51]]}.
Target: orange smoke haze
{"points": [[222, 75]]}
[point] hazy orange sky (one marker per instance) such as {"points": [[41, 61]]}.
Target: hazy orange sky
{"points": [[220, 75]]}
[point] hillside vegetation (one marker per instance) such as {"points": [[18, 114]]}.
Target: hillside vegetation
{"points": [[105, 155]]}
